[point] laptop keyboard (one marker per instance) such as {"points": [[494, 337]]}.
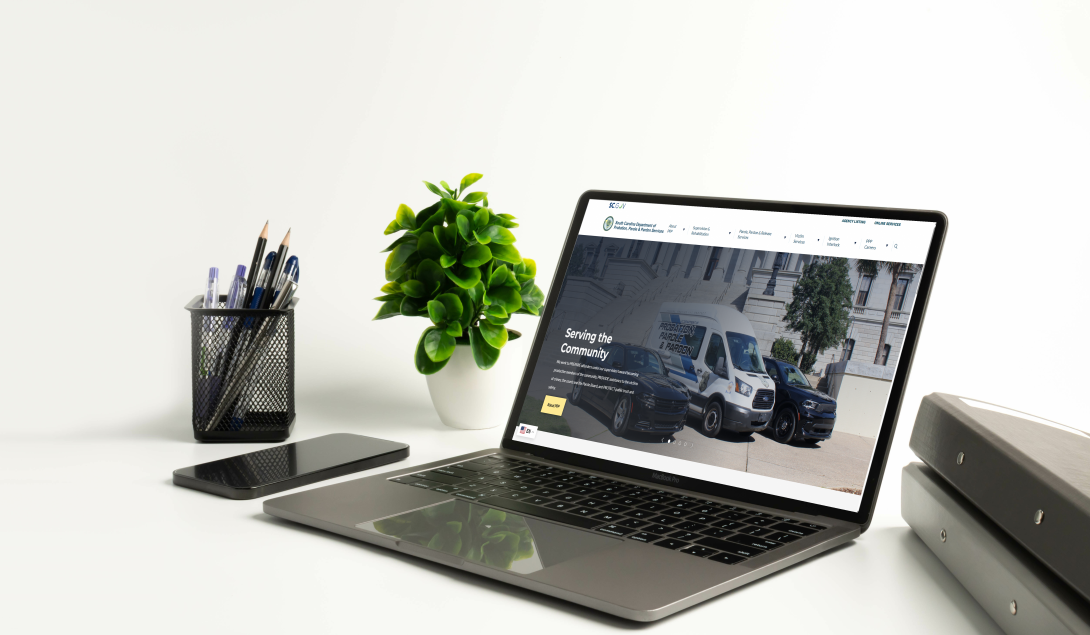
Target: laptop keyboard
{"points": [[706, 529]]}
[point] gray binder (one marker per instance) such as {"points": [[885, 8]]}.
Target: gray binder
{"points": [[1031, 477], [1014, 588]]}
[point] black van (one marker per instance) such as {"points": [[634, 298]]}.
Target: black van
{"points": [[803, 412]]}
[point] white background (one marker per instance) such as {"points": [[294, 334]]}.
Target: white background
{"points": [[141, 143]]}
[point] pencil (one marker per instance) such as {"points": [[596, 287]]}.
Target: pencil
{"points": [[274, 273], [259, 253]]}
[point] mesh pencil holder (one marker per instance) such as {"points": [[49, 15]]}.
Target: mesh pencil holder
{"points": [[243, 372]]}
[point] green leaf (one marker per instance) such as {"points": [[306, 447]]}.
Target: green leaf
{"points": [[499, 235], [506, 216], [499, 276], [404, 238], [464, 277], [405, 217], [431, 274], [447, 261], [438, 344], [424, 364], [452, 306], [446, 187], [534, 297], [464, 228], [428, 218], [473, 197], [414, 289], [413, 307], [476, 292], [454, 329], [436, 312], [481, 238], [428, 246], [483, 353], [526, 270], [435, 190], [496, 336], [447, 238], [495, 320], [493, 517], [495, 310], [506, 297], [391, 296], [480, 219], [507, 220], [398, 259], [387, 310], [391, 287], [506, 253], [394, 226], [476, 255], [470, 179]]}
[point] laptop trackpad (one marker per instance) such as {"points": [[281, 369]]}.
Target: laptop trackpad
{"points": [[490, 536]]}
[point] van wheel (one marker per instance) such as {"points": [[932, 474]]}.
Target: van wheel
{"points": [[712, 424], [784, 425], [576, 393], [622, 412]]}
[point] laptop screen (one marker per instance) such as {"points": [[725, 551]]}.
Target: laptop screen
{"points": [[746, 348]]}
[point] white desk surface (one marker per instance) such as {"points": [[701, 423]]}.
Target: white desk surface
{"points": [[101, 537], [141, 143]]}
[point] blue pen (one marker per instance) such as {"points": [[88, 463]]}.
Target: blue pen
{"points": [[291, 270], [264, 280], [236, 296]]}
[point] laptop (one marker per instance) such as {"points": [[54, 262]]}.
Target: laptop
{"points": [[710, 398]]}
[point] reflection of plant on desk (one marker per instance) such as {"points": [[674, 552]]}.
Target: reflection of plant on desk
{"points": [[478, 534], [456, 264]]}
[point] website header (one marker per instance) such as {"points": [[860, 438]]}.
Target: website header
{"points": [[836, 236]]}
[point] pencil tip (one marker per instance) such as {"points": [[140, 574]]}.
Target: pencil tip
{"points": [[265, 231], [287, 238]]}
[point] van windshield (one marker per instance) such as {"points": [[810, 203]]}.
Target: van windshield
{"points": [[744, 354]]}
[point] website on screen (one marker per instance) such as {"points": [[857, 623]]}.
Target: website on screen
{"points": [[748, 348]]}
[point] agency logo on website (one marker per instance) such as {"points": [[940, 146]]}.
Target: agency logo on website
{"points": [[526, 431], [608, 223]]}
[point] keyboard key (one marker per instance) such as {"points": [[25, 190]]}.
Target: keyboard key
{"points": [[811, 526], [759, 514], [583, 511], [732, 525], [521, 507], [516, 495], [729, 547], [670, 543], [537, 481], [682, 504], [520, 487], [697, 550], [545, 491], [780, 537], [422, 484], [715, 532], [689, 525], [627, 501], [537, 500], [754, 531], [794, 530], [607, 517], [585, 483], [751, 541], [762, 521], [644, 536], [567, 498], [657, 529], [639, 513], [561, 505], [581, 491], [676, 513], [686, 536], [603, 496], [491, 490], [406, 480], [446, 489], [592, 502], [631, 523], [615, 530], [727, 558], [471, 466], [469, 494], [453, 471], [560, 486], [703, 519], [663, 520], [657, 498], [653, 507], [784, 519], [613, 508], [732, 516], [502, 482], [706, 509]]}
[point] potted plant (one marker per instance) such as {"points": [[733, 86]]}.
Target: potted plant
{"points": [[456, 264]]}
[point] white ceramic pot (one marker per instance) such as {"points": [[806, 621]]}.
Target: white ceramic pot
{"points": [[469, 398]]}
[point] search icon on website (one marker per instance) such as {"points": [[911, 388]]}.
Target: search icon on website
{"points": [[894, 245]]}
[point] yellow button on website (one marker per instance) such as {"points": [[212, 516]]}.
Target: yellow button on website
{"points": [[554, 406]]}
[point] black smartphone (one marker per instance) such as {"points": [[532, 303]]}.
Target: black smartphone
{"points": [[290, 465]]}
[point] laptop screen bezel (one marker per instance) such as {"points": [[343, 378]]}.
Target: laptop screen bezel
{"points": [[900, 379]]}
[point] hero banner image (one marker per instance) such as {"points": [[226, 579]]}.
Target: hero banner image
{"points": [[764, 369]]}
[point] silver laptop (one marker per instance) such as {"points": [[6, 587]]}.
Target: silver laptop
{"points": [[710, 397]]}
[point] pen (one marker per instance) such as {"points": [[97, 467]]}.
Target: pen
{"points": [[238, 379], [291, 270], [262, 240], [236, 295], [279, 262], [263, 282], [211, 301]]}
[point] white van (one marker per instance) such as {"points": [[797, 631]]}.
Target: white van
{"points": [[713, 350]]}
